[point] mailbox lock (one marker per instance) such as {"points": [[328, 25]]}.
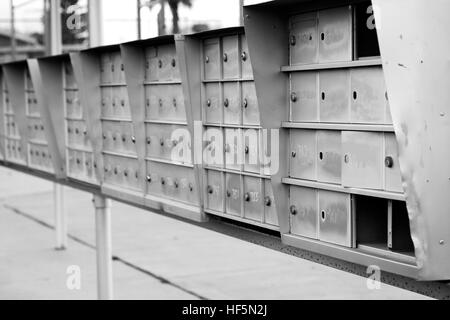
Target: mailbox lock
{"points": [[160, 64], [323, 215], [293, 97], [355, 95], [116, 171], [148, 102], [160, 103], [228, 193], [149, 141], [226, 103], [104, 136], [346, 158], [125, 173], [69, 130], [163, 181], [245, 104], [78, 161], [294, 154], [247, 197], [389, 162], [207, 59], [106, 170], [174, 143], [208, 103], [176, 184], [191, 187], [293, 210], [124, 138], [122, 67], [95, 165], [225, 57], [227, 148], [147, 65], [122, 102], [293, 40], [85, 132], [174, 101], [244, 56], [136, 175], [210, 190], [133, 139], [247, 150], [112, 68], [161, 142], [267, 201], [149, 179], [322, 36], [77, 131], [174, 63]]}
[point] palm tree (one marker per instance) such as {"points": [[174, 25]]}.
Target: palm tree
{"points": [[173, 4]]}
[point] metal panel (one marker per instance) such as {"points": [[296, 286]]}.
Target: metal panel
{"points": [[107, 101], [270, 211], [118, 136], [211, 59], [329, 150], [335, 34], [335, 218], [80, 165], [121, 104], [233, 149], [69, 76], [334, 95], [211, 103], [73, 105], [106, 68], [214, 191], [161, 141], [393, 177], [303, 154], [117, 68], [304, 96], [213, 154], [230, 57], [77, 134], [303, 39], [165, 102], [233, 194], [250, 106], [246, 64], [232, 111], [363, 161], [368, 96], [167, 63], [253, 199], [36, 130], [151, 64], [303, 212]]}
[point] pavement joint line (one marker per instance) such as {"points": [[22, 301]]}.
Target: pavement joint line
{"points": [[114, 257]]}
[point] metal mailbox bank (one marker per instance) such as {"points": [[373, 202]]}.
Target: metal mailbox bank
{"points": [[308, 122]]}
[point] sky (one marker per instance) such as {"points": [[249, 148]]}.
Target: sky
{"points": [[119, 17]]}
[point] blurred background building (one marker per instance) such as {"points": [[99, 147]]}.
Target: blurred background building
{"points": [[30, 28]]}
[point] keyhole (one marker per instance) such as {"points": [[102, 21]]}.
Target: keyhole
{"points": [[323, 96], [355, 95], [321, 155], [323, 215], [322, 36]]}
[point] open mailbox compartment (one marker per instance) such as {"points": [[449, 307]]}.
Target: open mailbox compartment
{"points": [[30, 138], [339, 188]]}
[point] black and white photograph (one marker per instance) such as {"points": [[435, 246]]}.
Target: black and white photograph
{"points": [[224, 158]]}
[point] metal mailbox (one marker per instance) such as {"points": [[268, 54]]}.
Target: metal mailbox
{"points": [[246, 64], [233, 193], [232, 110], [304, 97], [165, 102], [118, 136], [270, 212], [369, 96], [362, 165], [334, 95], [211, 103], [335, 34], [329, 156], [233, 149], [250, 109], [122, 172], [211, 59], [252, 150], [335, 218], [303, 212], [304, 40], [393, 178], [214, 191], [253, 198], [230, 57], [303, 154]]}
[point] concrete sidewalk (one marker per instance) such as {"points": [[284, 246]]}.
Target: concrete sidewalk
{"points": [[161, 258]]}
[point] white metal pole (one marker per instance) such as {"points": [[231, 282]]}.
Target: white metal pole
{"points": [[95, 23], [60, 217], [55, 27], [104, 250]]}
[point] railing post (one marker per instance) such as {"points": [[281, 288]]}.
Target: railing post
{"points": [[60, 217]]}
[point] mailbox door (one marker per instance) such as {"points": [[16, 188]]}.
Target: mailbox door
{"points": [[167, 63], [118, 137], [178, 111], [393, 177], [335, 218], [230, 58], [211, 59], [334, 95], [159, 141], [253, 199], [214, 191], [368, 96], [122, 171], [303, 154], [252, 150], [329, 165], [362, 165], [69, 77], [303, 212], [118, 69], [304, 104], [213, 154], [122, 104], [107, 101], [151, 64], [246, 64], [233, 149], [249, 104], [304, 39], [232, 113], [211, 104], [270, 212], [233, 194], [73, 106], [106, 68], [335, 35]]}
